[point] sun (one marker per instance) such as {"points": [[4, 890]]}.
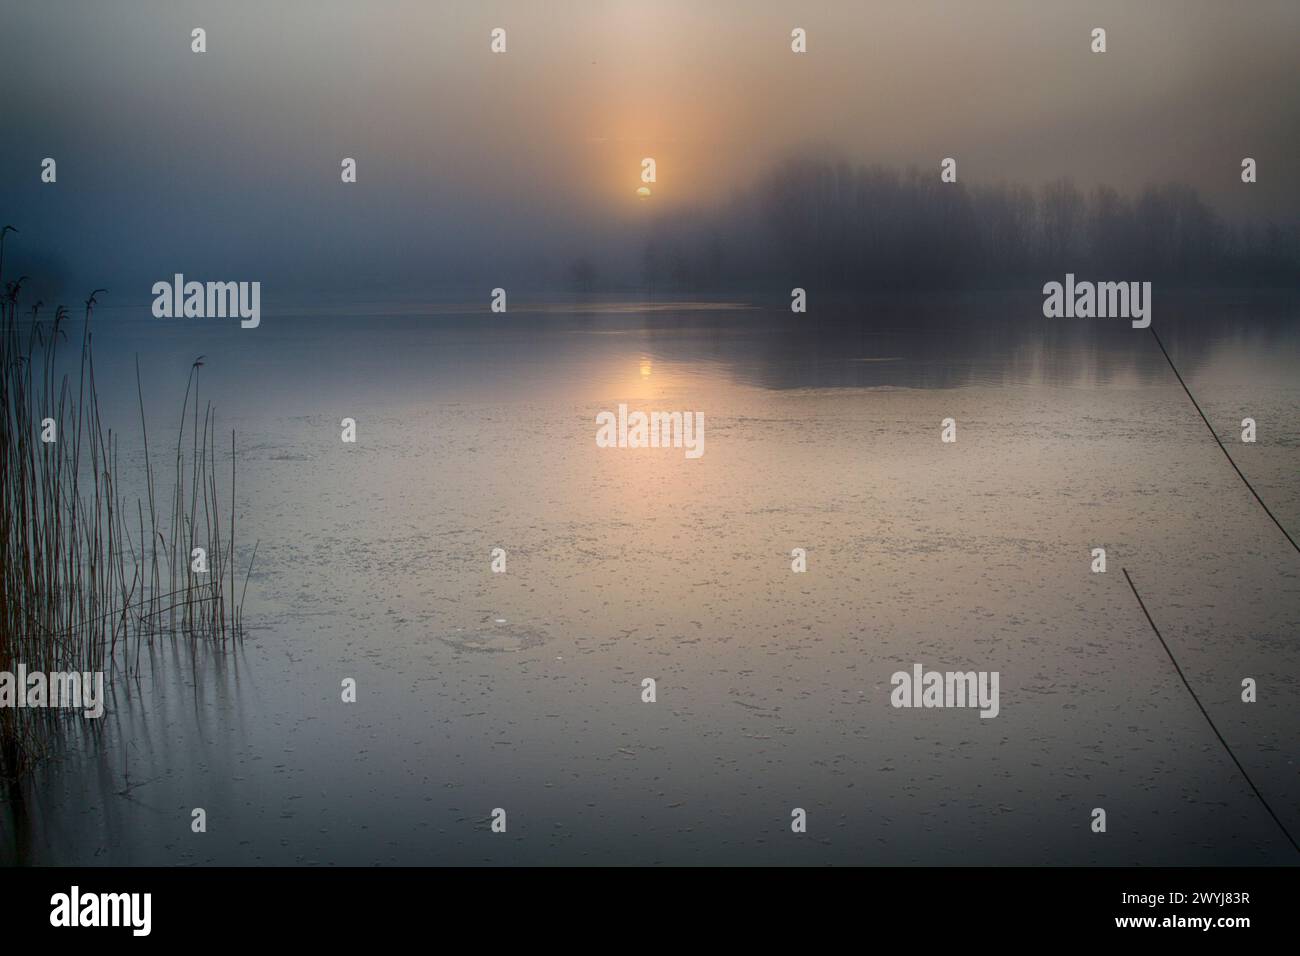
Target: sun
{"points": [[643, 192]]}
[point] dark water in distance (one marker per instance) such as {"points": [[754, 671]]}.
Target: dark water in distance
{"points": [[523, 690]]}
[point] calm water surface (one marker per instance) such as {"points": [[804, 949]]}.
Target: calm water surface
{"points": [[522, 690]]}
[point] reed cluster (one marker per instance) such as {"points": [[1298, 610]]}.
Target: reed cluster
{"points": [[88, 577]]}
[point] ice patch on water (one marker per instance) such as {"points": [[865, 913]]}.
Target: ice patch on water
{"points": [[495, 638]]}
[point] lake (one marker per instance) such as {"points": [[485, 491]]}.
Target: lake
{"points": [[523, 690]]}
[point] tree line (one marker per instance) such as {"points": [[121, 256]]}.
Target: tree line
{"points": [[836, 225]]}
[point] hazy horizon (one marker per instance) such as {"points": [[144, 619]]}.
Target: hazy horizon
{"points": [[477, 167]]}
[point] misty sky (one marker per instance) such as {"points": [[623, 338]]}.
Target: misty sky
{"points": [[473, 165]]}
